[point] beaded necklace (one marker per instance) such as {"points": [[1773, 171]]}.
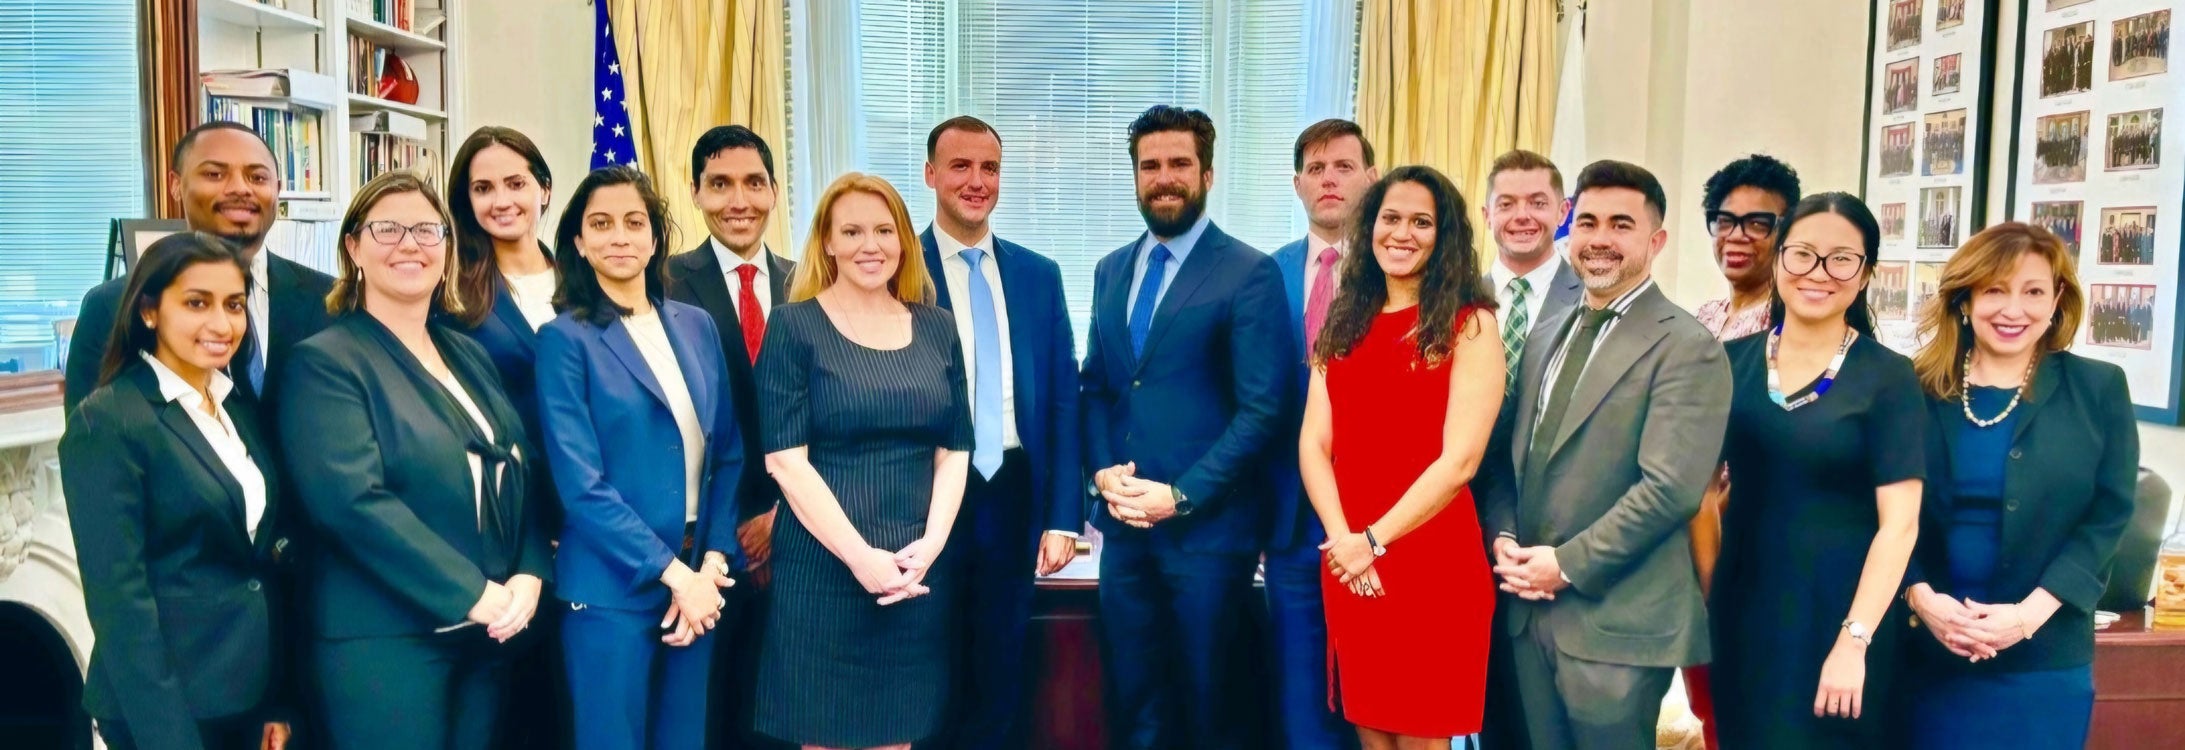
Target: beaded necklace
{"points": [[1965, 393], [1828, 377]]}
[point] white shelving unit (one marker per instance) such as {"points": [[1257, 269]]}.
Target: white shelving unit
{"points": [[316, 36]]}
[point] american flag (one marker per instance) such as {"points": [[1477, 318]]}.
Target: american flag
{"points": [[612, 142]]}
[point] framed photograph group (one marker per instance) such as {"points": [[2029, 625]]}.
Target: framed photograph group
{"points": [[2091, 162], [1928, 96]]}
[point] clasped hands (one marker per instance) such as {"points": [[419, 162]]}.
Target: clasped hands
{"points": [[506, 608], [1532, 573], [1971, 629], [896, 576], [694, 598], [1138, 503], [1350, 558]]}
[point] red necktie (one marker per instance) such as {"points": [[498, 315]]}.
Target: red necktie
{"points": [[1316, 300], [747, 311]]}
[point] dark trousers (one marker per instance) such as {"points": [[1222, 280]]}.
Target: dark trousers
{"points": [[1504, 727], [428, 692], [632, 692], [1575, 704], [1299, 637], [735, 680], [1171, 621], [535, 713], [240, 732], [994, 547]]}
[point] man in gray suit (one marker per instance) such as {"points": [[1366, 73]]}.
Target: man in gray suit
{"points": [[1618, 426], [1524, 206]]}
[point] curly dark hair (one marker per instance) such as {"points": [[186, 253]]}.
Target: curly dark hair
{"points": [[1758, 170], [1452, 281]]}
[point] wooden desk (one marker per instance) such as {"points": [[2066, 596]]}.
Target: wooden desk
{"points": [[1067, 708], [2139, 686]]}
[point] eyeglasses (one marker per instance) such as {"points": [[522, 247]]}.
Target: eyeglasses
{"points": [[428, 234], [1757, 225], [1799, 260]]}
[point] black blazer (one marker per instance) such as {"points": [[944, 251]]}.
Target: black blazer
{"points": [[696, 278], [179, 595], [2068, 494], [380, 457], [295, 311]]}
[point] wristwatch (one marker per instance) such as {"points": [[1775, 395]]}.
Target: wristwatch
{"points": [[1858, 632], [1183, 504], [1378, 550]]}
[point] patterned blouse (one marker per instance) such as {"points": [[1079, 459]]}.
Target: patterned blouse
{"points": [[1716, 316]]}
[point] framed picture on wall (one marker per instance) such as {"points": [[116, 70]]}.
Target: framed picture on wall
{"points": [[2091, 161], [1929, 91]]}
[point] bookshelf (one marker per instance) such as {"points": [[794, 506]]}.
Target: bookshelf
{"points": [[331, 122]]}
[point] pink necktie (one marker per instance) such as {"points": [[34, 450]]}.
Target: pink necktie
{"points": [[1316, 300]]}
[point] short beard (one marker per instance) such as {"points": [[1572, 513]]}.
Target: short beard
{"points": [[1194, 206], [246, 244]]}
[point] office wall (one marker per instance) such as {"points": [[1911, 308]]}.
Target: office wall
{"points": [[528, 65]]}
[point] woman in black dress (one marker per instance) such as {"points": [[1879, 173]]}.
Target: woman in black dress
{"points": [[2012, 551], [867, 427], [1826, 441]]}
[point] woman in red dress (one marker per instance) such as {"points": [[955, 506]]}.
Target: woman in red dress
{"points": [[1407, 380]]}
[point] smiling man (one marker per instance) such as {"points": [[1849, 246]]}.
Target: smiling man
{"points": [[229, 184]]}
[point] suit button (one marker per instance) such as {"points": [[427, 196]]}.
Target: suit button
{"points": [[2017, 454], [1136, 383], [253, 585], [2011, 505]]}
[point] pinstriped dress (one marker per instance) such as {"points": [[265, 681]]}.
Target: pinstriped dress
{"points": [[836, 669]]}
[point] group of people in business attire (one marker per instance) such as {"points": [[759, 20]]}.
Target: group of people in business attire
{"points": [[2061, 148], [2137, 145], [2067, 61], [1945, 148], [2141, 37], [2131, 244], [722, 499], [2124, 317]]}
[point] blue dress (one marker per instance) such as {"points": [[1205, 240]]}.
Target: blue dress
{"points": [[1971, 705]]}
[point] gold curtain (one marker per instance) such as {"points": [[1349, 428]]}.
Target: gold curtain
{"points": [[690, 65], [1452, 83], [168, 66]]}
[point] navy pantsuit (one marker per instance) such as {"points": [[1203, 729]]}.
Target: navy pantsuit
{"points": [[1199, 409], [618, 463], [1300, 625], [1039, 488]]}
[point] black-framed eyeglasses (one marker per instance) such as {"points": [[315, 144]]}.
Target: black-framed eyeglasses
{"points": [[1799, 260], [1758, 225], [428, 233]]}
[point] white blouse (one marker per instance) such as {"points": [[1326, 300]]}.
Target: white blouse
{"points": [[220, 432]]}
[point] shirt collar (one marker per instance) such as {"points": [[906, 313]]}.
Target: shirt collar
{"points": [[1538, 279], [1180, 247], [730, 261], [950, 247], [1314, 246], [174, 389], [1622, 304], [258, 268]]}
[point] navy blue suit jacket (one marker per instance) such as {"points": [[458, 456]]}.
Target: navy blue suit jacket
{"points": [[1292, 513], [617, 456], [1204, 405], [1043, 351]]}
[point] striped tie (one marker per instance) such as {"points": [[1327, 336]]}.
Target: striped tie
{"points": [[1514, 328]]}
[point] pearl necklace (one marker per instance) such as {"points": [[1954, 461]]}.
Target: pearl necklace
{"points": [[1965, 393]]}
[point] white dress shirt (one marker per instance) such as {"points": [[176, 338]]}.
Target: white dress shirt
{"points": [[258, 304], [652, 344], [1540, 280], [220, 432], [730, 261], [956, 272], [534, 296]]}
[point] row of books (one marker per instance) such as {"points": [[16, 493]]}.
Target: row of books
{"points": [[401, 14], [368, 67], [293, 132], [312, 243], [371, 154]]}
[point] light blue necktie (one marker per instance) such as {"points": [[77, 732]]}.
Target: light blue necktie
{"points": [[1149, 295], [986, 354]]}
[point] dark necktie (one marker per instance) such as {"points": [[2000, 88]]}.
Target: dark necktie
{"points": [[1590, 323], [252, 366]]}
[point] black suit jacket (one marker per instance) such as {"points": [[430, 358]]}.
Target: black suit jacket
{"points": [[382, 472], [2068, 484], [179, 594], [696, 278], [296, 310]]}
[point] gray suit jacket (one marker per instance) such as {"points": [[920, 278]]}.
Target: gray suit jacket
{"points": [[1496, 475], [1638, 442]]}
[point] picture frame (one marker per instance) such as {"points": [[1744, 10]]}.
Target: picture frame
{"points": [[126, 238]]}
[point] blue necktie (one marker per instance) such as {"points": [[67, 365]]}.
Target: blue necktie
{"points": [[1149, 295], [986, 354]]}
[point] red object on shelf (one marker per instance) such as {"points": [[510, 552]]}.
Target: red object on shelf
{"points": [[397, 83]]}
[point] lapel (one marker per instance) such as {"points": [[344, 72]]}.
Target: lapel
{"points": [[1943, 419], [2047, 379], [1291, 259], [778, 277], [1563, 294], [1022, 309], [618, 341], [1111, 309], [246, 425], [509, 316], [687, 341], [176, 418], [933, 268], [1196, 268], [279, 282], [1632, 337], [1547, 335], [709, 285]]}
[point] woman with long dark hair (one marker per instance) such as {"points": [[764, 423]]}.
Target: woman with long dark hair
{"points": [[1825, 439], [172, 498], [1408, 375], [409, 461], [645, 449]]}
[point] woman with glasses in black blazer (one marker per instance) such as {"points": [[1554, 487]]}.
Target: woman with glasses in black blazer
{"points": [[2013, 550]]}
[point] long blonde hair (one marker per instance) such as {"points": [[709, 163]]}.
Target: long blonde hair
{"points": [[348, 293], [817, 270], [1989, 258]]}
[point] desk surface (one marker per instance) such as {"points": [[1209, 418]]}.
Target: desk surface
{"points": [[2136, 629]]}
